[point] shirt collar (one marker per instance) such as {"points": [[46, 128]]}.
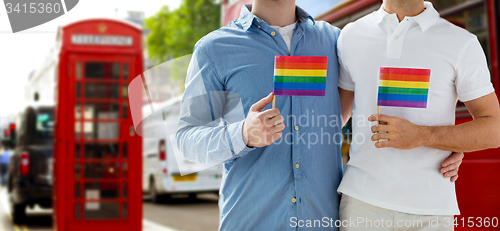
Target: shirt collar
{"points": [[425, 20], [247, 18]]}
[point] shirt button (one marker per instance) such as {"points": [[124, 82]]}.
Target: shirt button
{"points": [[390, 19], [273, 33], [396, 37], [258, 27], [258, 20], [294, 200], [297, 165], [296, 128]]}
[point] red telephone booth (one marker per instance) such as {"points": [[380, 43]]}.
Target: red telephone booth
{"points": [[98, 160]]}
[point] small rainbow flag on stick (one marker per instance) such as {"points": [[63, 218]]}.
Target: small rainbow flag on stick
{"points": [[403, 87], [300, 75]]}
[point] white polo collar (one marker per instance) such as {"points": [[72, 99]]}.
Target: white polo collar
{"points": [[425, 19]]}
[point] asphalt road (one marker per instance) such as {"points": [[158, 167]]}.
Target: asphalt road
{"points": [[177, 214], [185, 214]]}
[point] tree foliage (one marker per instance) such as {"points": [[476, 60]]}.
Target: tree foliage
{"points": [[173, 33]]}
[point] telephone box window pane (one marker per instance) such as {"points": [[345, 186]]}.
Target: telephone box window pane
{"points": [[77, 190], [125, 211], [101, 130], [77, 171], [78, 114], [101, 90], [116, 70], [78, 70], [77, 150], [101, 70], [125, 91], [78, 90], [125, 110], [101, 190], [106, 170], [78, 129], [125, 170], [101, 150], [101, 210], [77, 211], [101, 111], [125, 191], [125, 151], [125, 71]]}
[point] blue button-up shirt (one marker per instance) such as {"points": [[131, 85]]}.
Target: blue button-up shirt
{"points": [[292, 182]]}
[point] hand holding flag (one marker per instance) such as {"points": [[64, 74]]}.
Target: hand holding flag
{"points": [[262, 128], [400, 87]]}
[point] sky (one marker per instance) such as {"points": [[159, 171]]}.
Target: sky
{"points": [[22, 52]]}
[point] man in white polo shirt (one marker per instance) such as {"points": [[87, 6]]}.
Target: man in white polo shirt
{"points": [[395, 184]]}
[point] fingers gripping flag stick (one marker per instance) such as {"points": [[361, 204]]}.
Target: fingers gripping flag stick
{"points": [[403, 87], [300, 75]]}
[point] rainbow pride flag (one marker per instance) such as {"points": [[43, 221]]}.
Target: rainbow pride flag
{"points": [[300, 75], [403, 87]]}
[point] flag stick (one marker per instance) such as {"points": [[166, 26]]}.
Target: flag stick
{"points": [[274, 99], [378, 122]]}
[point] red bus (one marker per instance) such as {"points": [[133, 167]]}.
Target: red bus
{"points": [[478, 188]]}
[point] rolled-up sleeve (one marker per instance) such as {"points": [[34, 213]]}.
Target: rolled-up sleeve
{"points": [[211, 120]]}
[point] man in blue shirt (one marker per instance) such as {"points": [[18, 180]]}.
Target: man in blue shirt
{"points": [[4, 162], [282, 166], [274, 187]]}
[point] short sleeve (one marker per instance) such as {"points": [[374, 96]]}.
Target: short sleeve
{"points": [[473, 79], [345, 79]]}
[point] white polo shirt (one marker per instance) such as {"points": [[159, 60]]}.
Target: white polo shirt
{"points": [[407, 181]]}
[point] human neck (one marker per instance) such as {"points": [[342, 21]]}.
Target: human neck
{"points": [[275, 12], [404, 8]]}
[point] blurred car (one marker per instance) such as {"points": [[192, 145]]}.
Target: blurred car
{"points": [[30, 167], [161, 167]]}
